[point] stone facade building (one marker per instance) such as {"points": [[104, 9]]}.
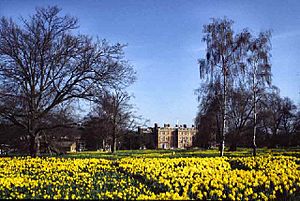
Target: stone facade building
{"points": [[174, 137], [168, 137]]}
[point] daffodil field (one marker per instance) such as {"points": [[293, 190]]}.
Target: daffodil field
{"points": [[261, 178], [265, 177]]}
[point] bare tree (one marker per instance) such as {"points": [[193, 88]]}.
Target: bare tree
{"points": [[240, 107], [95, 131], [118, 114], [209, 116], [296, 129], [222, 61], [289, 116], [279, 116], [43, 64]]}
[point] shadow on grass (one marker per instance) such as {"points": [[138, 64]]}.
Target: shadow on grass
{"points": [[153, 185]]}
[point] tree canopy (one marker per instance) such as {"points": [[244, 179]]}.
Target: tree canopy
{"points": [[44, 65]]}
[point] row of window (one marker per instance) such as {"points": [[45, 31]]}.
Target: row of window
{"points": [[180, 133], [185, 138], [166, 138]]}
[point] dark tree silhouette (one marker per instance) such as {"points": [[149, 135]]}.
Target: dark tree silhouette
{"points": [[43, 65], [279, 118], [240, 109], [117, 115], [209, 116]]}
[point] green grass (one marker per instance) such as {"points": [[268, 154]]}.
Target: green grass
{"points": [[178, 153]]}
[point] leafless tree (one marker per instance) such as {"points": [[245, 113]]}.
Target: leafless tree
{"points": [[279, 117], [240, 110], [117, 113], [43, 65]]}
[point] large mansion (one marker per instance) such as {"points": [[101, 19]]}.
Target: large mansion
{"points": [[167, 137]]}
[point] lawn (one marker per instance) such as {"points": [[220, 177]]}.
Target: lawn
{"points": [[183, 153]]}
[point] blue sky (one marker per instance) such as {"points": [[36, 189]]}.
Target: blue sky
{"points": [[164, 43]]}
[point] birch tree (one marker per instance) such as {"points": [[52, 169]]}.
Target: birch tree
{"points": [[223, 52], [258, 73]]}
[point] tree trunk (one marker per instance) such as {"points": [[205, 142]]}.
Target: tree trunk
{"points": [[254, 134], [49, 150], [34, 145], [34, 141], [254, 113], [37, 145], [47, 144], [103, 145], [222, 144], [113, 144]]}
